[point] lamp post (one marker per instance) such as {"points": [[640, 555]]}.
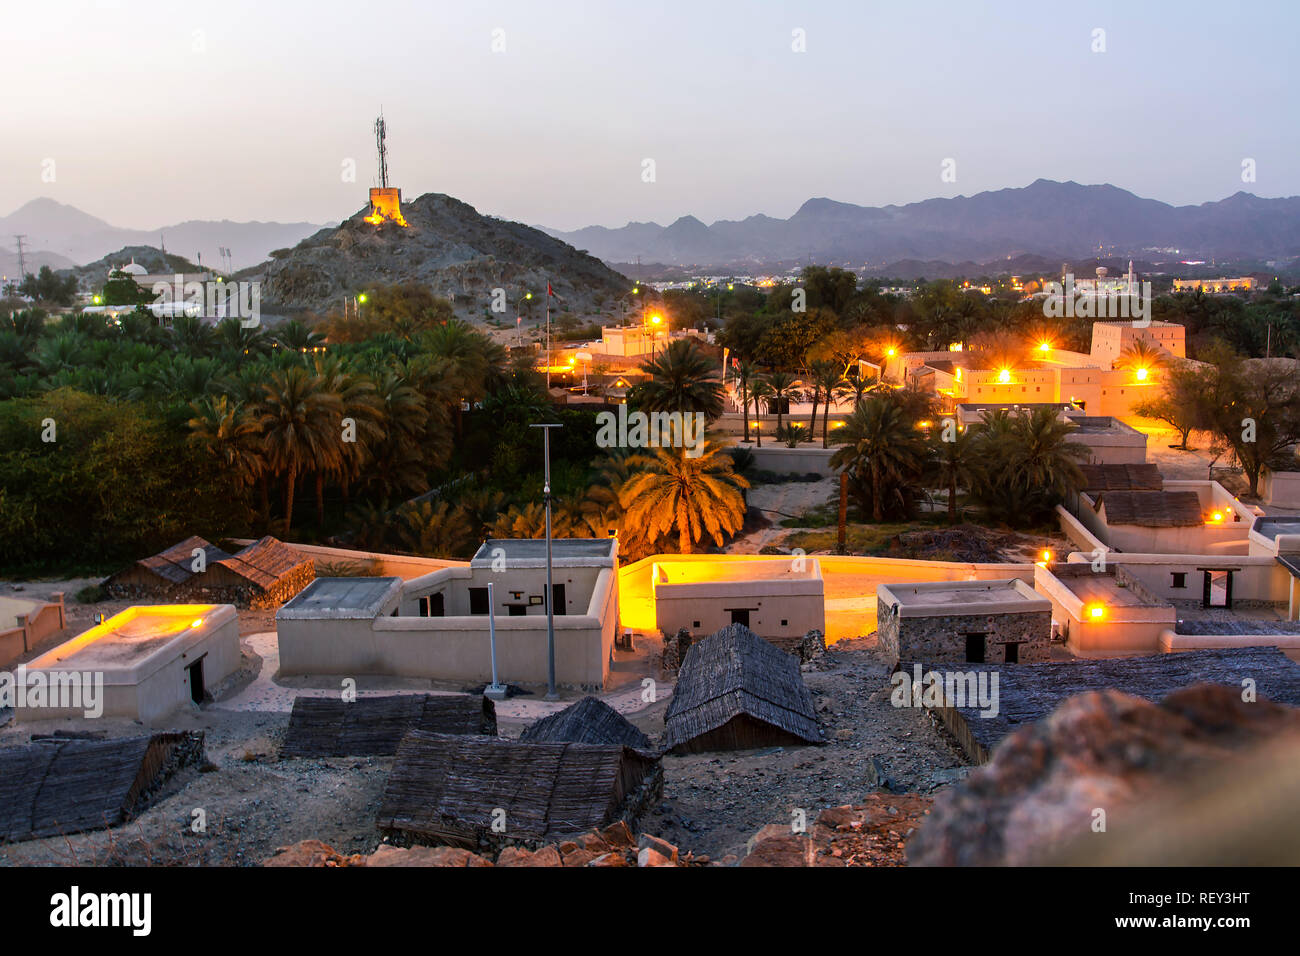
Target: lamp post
{"points": [[496, 690], [550, 588]]}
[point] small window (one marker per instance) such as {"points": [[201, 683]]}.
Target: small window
{"points": [[975, 648], [1012, 653], [1180, 579], [478, 600], [695, 624], [784, 622]]}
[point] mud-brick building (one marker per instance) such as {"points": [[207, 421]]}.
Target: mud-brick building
{"points": [[972, 622]]}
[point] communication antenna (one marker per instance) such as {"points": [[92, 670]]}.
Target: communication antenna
{"points": [[381, 132], [22, 260]]}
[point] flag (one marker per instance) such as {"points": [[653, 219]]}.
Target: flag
{"points": [[735, 363], [548, 290]]}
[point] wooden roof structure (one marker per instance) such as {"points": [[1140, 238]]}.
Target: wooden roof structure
{"points": [[263, 562], [66, 785], [374, 726], [1151, 509], [173, 566], [1121, 478], [451, 789], [1033, 691], [736, 691], [589, 721]]}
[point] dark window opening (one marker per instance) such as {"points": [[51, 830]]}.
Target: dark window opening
{"points": [[478, 600], [975, 648], [784, 622], [695, 624], [1180, 579], [1012, 653], [517, 610], [557, 595], [740, 615], [197, 690]]}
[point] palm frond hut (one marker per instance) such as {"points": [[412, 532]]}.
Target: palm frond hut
{"points": [[589, 721], [265, 574], [453, 789], [58, 786], [374, 726], [159, 575], [736, 691]]}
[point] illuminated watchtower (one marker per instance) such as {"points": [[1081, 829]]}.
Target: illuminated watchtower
{"points": [[385, 200]]}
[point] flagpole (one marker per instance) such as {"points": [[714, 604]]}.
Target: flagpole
{"points": [[548, 336]]}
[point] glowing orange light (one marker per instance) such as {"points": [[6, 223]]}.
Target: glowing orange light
{"points": [[1047, 556], [656, 319], [1217, 516], [1004, 376], [1141, 375], [890, 352], [198, 621], [1096, 612], [1044, 347]]}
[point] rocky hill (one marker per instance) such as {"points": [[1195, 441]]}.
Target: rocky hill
{"points": [[448, 246]]}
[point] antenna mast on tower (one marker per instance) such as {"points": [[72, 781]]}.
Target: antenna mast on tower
{"points": [[22, 260], [380, 133]]}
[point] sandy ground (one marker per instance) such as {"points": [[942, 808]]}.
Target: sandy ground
{"points": [[777, 502]]}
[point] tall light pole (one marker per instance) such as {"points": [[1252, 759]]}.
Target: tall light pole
{"points": [[550, 588]]}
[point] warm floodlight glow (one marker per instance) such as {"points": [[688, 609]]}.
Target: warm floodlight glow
{"points": [[656, 319], [890, 352], [1096, 612], [197, 622], [1004, 376], [1141, 375], [1044, 347], [1217, 516], [1046, 556], [362, 298]]}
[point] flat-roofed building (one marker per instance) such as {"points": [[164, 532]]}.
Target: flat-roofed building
{"points": [[153, 661], [436, 626], [1000, 621], [778, 599]]}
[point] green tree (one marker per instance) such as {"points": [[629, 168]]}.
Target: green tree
{"points": [[883, 448], [690, 496]]}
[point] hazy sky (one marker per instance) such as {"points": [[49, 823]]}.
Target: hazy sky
{"points": [[248, 110]]}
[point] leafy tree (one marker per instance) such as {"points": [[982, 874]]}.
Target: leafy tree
{"points": [[884, 450], [682, 379]]}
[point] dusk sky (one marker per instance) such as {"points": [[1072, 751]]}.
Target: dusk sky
{"points": [[154, 114]]}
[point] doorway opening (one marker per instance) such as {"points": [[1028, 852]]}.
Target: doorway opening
{"points": [[197, 690]]}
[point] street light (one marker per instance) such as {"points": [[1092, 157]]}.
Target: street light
{"points": [[550, 588]]}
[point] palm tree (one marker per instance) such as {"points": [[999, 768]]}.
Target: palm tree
{"points": [[693, 496], [746, 372], [829, 382], [300, 423], [229, 434], [1141, 354], [760, 391], [682, 379], [954, 464], [297, 337], [883, 445], [1043, 455], [784, 386], [433, 529]]}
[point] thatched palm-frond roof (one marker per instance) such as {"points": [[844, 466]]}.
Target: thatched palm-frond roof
{"points": [[1121, 478], [736, 675], [176, 564], [1151, 509], [264, 561], [450, 789], [373, 726], [65, 786], [589, 721]]}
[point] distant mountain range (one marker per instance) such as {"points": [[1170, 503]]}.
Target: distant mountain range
{"points": [[1047, 218], [63, 236]]}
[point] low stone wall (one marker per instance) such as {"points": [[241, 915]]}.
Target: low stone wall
{"points": [[943, 639]]}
